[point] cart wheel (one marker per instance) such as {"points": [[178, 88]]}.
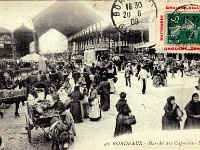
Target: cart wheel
{"points": [[68, 88], [52, 89], [28, 128], [187, 72], [4, 105]]}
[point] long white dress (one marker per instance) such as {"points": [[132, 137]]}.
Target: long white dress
{"points": [[94, 110], [112, 86]]}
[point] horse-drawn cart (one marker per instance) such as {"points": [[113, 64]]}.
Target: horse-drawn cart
{"points": [[40, 117], [194, 69], [8, 97]]}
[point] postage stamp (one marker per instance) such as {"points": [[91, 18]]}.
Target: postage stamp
{"points": [[179, 27]]}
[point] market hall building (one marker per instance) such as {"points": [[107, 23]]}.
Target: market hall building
{"points": [[85, 30]]}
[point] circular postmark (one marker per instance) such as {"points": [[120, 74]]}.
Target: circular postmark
{"points": [[130, 16], [184, 26]]}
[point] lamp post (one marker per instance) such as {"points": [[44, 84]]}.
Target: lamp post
{"points": [[13, 45]]}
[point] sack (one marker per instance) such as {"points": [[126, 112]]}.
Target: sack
{"points": [[129, 120], [179, 113], [115, 79]]}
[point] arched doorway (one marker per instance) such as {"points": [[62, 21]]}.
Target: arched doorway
{"points": [[23, 36]]}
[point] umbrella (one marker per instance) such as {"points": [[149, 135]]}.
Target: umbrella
{"points": [[32, 58]]}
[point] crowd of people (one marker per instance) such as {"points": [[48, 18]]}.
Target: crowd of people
{"points": [[94, 85], [173, 114]]}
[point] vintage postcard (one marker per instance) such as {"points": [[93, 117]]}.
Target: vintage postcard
{"points": [[100, 74]]}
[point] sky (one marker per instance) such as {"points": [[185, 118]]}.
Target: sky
{"points": [[14, 13], [57, 43]]}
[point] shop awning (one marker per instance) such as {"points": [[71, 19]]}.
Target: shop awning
{"points": [[32, 58]]}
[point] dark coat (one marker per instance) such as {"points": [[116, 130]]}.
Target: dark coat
{"points": [[97, 79], [103, 71], [115, 70], [104, 89], [93, 70], [87, 79], [123, 110], [76, 76], [192, 109], [169, 120], [75, 106]]}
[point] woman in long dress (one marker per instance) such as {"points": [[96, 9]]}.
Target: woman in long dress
{"points": [[193, 113], [123, 110], [97, 78], [110, 79], [170, 120], [104, 89], [94, 110], [75, 105]]}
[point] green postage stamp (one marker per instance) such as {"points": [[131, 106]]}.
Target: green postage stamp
{"points": [[179, 26]]}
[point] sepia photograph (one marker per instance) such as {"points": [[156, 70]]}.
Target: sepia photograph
{"points": [[99, 74]]}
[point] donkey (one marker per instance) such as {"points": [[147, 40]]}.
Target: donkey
{"points": [[59, 134]]}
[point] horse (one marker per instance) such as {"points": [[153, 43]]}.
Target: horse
{"points": [[56, 79], [31, 82], [59, 133]]}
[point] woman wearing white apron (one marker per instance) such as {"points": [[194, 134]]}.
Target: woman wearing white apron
{"points": [[94, 103], [110, 79]]}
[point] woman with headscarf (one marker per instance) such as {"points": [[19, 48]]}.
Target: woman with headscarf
{"points": [[75, 105], [104, 91], [94, 110], [172, 117], [193, 113], [123, 110]]}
